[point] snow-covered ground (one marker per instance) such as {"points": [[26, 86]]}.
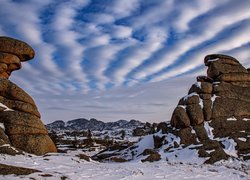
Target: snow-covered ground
{"points": [[70, 166]]}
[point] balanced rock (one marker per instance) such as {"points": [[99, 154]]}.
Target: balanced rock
{"points": [[21, 127], [16, 47]]}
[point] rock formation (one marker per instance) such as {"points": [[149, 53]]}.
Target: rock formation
{"points": [[20, 123], [221, 101], [211, 122]]}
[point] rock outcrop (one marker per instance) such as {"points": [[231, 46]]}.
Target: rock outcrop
{"points": [[219, 101], [20, 123], [211, 123]]}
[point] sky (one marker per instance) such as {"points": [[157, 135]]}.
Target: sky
{"points": [[120, 59]]}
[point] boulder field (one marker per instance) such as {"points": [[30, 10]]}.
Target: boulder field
{"points": [[21, 128]]}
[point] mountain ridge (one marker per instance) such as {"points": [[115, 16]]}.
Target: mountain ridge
{"points": [[93, 125]]}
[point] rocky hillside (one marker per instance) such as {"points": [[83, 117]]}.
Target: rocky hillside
{"points": [[93, 125], [211, 123], [20, 123]]}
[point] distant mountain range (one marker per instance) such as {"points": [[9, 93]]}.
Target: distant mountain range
{"points": [[93, 125]]}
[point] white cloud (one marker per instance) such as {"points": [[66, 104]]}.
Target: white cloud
{"points": [[81, 47], [121, 32], [100, 58], [138, 53], [234, 40], [123, 8], [210, 29]]}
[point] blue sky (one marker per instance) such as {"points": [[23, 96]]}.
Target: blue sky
{"points": [[121, 59]]}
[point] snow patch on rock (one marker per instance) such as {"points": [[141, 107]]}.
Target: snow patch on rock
{"points": [[212, 60], [190, 95], [201, 103], [6, 107], [213, 99], [246, 119], [242, 139], [209, 130], [231, 119], [183, 106], [198, 84], [230, 145], [2, 126]]}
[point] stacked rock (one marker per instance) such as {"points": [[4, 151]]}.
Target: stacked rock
{"points": [[21, 126], [220, 100], [214, 118]]}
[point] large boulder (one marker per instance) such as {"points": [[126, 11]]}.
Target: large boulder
{"points": [[201, 88], [180, 118], [20, 106], [224, 59], [221, 64], [16, 47], [21, 127], [9, 89], [195, 114]]}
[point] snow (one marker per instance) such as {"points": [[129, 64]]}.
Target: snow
{"points": [[6, 108], [2, 126], [216, 83], [171, 138], [198, 84], [190, 95], [182, 106], [232, 119], [70, 166], [7, 145], [178, 163], [246, 119], [210, 151], [213, 99], [212, 60], [230, 145], [201, 103], [209, 130], [146, 143], [242, 139], [182, 155]]}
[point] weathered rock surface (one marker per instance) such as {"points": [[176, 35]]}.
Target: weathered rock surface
{"points": [[21, 127], [180, 118], [223, 106], [16, 47], [7, 169]]}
